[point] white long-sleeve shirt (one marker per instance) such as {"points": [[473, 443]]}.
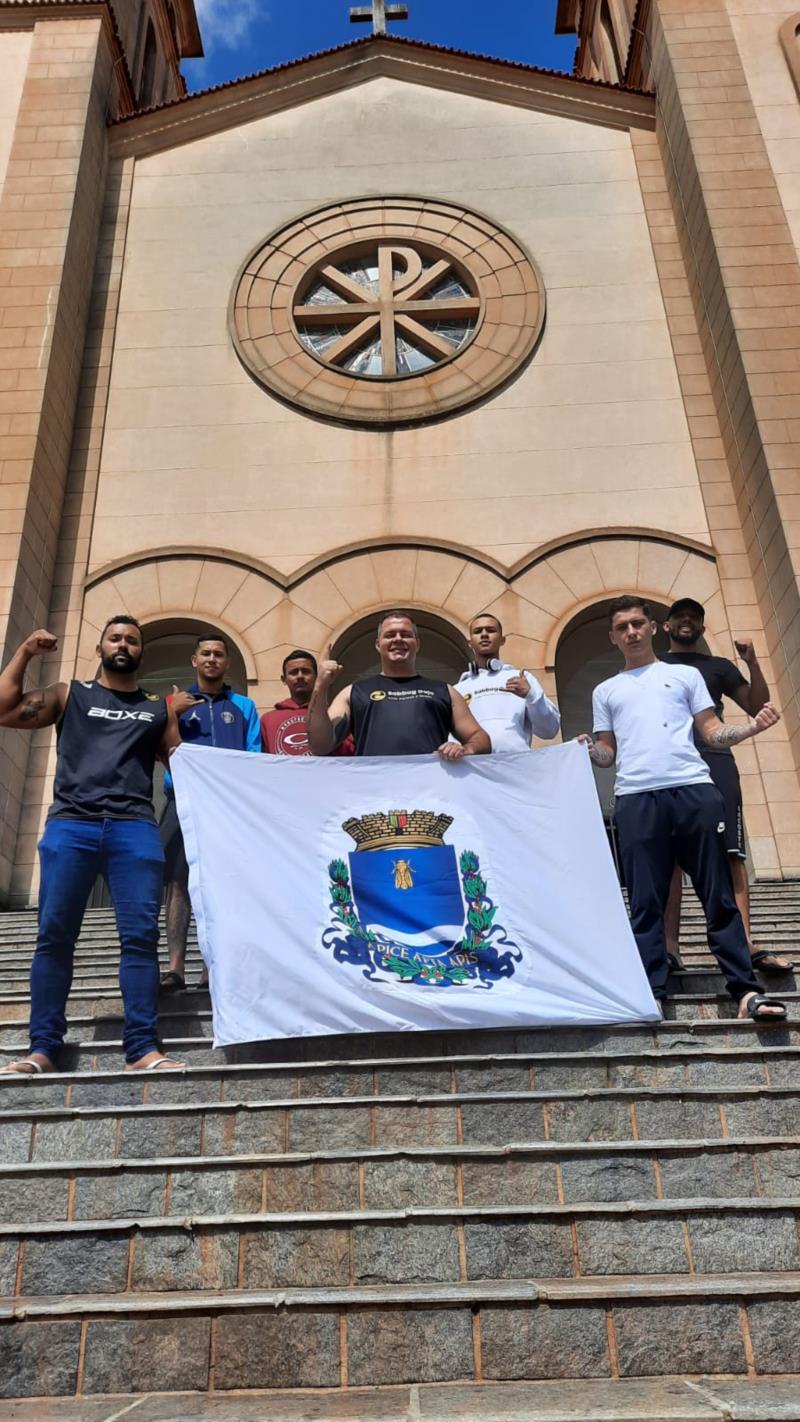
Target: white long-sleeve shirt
{"points": [[510, 720]]}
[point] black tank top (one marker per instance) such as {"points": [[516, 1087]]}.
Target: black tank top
{"points": [[107, 747], [409, 715]]}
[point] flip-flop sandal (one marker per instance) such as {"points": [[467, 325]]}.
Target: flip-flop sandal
{"points": [[160, 1063], [15, 1068], [770, 970], [172, 982], [758, 1001]]}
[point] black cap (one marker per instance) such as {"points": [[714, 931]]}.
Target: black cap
{"points": [[687, 604]]}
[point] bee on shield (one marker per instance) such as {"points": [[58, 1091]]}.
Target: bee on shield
{"points": [[407, 908]]}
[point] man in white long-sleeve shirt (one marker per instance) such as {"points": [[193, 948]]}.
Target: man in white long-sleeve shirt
{"points": [[507, 702]]}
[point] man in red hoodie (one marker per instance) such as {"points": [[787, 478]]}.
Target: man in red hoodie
{"points": [[283, 730]]}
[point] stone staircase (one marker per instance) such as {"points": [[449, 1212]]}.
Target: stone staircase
{"points": [[412, 1227]]}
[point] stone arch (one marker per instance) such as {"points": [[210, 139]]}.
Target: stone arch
{"points": [[572, 577], [267, 613], [168, 646], [201, 589]]}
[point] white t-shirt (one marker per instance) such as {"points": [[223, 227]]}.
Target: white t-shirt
{"points": [[510, 720], [650, 711]]}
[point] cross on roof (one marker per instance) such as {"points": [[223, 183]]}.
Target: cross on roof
{"points": [[378, 12]]}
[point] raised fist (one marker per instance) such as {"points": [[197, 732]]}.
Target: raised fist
{"points": [[766, 717], [40, 642], [746, 650]]}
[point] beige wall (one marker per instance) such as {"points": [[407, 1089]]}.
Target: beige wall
{"points": [[15, 47], [592, 433], [756, 24]]}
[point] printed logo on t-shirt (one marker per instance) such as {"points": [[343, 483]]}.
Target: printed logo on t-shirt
{"points": [[106, 714], [291, 737], [228, 717], [377, 696]]}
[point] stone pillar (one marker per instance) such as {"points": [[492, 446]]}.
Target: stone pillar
{"points": [[49, 216], [744, 285]]}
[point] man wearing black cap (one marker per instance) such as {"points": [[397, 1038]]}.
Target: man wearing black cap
{"points": [[685, 626]]}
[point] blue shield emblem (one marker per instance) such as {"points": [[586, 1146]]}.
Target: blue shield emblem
{"points": [[411, 896], [408, 908]]}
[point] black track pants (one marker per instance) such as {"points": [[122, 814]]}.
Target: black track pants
{"points": [[657, 827]]}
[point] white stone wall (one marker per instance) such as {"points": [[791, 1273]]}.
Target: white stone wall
{"points": [[756, 24], [592, 433], [15, 47]]}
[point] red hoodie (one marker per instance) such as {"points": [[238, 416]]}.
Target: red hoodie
{"points": [[283, 731]]}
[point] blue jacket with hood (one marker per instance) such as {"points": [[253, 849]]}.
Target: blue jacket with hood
{"points": [[226, 721]]}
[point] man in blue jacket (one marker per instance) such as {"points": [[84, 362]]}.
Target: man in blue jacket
{"points": [[209, 714]]}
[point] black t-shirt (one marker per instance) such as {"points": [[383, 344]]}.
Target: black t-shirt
{"points": [[721, 676], [409, 715], [107, 747]]}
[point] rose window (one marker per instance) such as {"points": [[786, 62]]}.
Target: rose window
{"points": [[392, 311]]}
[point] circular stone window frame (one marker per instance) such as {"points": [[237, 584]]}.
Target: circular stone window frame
{"points": [[502, 272]]}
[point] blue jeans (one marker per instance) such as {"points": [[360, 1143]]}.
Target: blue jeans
{"points": [[72, 853]]}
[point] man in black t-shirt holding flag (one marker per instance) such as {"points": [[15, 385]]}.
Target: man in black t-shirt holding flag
{"points": [[110, 734], [397, 712], [685, 626]]}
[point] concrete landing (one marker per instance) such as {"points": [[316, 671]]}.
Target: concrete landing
{"points": [[637, 1400]]}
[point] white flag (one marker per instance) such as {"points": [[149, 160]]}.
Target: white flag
{"points": [[383, 895]]}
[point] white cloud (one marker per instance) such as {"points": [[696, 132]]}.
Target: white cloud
{"points": [[228, 22]]}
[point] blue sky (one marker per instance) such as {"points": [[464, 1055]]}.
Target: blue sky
{"points": [[242, 36]]}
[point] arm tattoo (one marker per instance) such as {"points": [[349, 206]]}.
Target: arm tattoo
{"points": [[340, 729], [601, 755], [728, 736], [31, 707]]}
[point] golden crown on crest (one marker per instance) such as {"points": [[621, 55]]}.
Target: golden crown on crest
{"points": [[387, 829]]}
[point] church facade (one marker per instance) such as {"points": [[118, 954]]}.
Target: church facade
{"points": [[401, 326]]}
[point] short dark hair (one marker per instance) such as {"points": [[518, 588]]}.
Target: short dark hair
{"points": [[493, 616], [126, 618], [398, 612], [212, 637], [626, 603], [297, 655]]}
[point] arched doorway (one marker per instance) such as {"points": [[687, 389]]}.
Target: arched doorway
{"points": [[167, 660], [584, 658], [443, 651]]}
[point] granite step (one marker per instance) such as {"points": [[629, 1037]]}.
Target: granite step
{"points": [[244, 1125], [703, 985], [408, 1245], [598, 1400], [101, 1053], [730, 1326], [181, 1019], [694, 1063], [540, 1172]]}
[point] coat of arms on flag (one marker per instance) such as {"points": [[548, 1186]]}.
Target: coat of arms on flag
{"points": [[407, 908]]}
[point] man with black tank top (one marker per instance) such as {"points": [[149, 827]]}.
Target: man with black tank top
{"points": [[397, 712], [109, 735]]}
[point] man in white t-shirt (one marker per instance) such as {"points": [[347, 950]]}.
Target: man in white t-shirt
{"points": [[509, 703], [667, 807]]}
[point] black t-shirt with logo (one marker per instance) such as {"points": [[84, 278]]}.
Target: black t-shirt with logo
{"points": [[409, 715], [107, 747], [721, 676]]}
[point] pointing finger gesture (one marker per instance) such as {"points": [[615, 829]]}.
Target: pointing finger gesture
{"points": [[329, 668]]}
